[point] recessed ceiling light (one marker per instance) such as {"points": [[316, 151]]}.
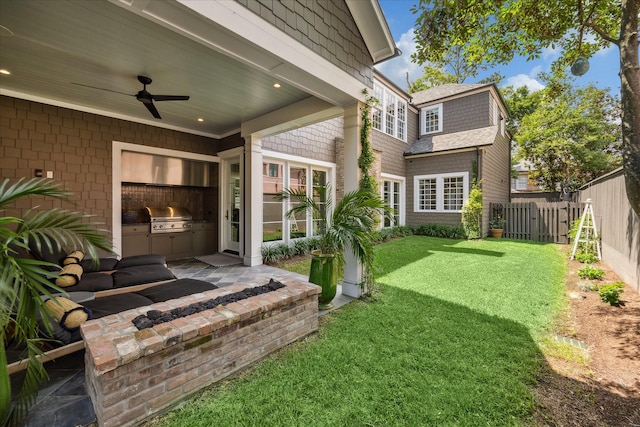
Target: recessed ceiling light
{"points": [[200, 119], [5, 72], [276, 85]]}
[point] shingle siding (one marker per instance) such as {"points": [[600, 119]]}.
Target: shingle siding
{"points": [[325, 27], [316, 141], [466, 113], [495, 174], [437, 164], [77, 146]]}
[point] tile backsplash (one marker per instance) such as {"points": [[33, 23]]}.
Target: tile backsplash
{"points": [[202, 202]]}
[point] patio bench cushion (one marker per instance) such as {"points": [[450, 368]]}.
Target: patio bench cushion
{"points": [[176, 289], [141, 274]]}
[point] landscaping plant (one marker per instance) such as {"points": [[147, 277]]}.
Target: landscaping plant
{"points": [[611, 293], [472, 213], [24, 280], [590, 272]]}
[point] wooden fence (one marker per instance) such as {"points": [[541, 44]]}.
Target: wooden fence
{"points": [[540, 222]]}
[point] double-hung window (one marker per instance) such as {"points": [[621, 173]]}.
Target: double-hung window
{"points": [[431, 119], [441, 193], [390, 115]]}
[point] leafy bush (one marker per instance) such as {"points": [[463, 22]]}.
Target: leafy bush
{"points": [[586, 257], [611, 293], [437, 230], [273, 253], [472, 213], [393, 232], [589, 272]]}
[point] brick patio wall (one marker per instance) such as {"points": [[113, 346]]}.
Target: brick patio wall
{"points": [[132, 375]]}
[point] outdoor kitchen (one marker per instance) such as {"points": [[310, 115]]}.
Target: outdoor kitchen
{"points": [[169, 206]]}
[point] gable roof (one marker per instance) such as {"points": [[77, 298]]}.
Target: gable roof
{"points": [[443, 91], [453, 141]]}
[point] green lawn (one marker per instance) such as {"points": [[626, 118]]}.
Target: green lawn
{"points": [[449, 338]]}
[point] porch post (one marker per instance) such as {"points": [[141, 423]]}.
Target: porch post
{"points": [[253, 201], [353, 271]]}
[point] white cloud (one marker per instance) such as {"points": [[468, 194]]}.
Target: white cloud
{"points": [[396, 69], [520, 80]]}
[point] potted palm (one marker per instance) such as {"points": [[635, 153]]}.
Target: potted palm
{"points": [[23, 281], [350, 224]]}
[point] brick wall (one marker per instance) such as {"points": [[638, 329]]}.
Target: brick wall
{"points": [[132, 375], [325, 27], [76, 146]]}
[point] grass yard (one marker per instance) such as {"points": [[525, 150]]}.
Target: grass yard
{"points": [[450, 337]]}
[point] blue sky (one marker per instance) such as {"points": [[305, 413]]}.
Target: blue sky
{"points": [[603, 72]]}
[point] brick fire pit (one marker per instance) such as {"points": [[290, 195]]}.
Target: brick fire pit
{"points": [[133, 374]]}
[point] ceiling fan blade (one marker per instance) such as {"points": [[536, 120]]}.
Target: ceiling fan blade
{"points": [[101, 88], [170, 97], [152, 109]]}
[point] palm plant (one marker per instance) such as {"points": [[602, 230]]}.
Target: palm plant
{"points": [[352, 223], [24, 280]]}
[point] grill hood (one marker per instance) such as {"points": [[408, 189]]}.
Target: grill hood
{"points": [[169, 213], [161, 170]]}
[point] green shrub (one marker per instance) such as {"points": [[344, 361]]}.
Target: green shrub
{"points": [[437, 230], [611, 293], [389, 233], [589, 272], [586, 257], [472, 213]]}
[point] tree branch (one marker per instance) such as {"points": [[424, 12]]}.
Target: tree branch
{"points": [[602, 34]]}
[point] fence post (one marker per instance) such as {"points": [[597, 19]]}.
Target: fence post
{"points": [[533, 221]]}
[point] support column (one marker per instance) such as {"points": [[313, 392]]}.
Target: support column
{"points": [[253, 201], [353, 270]]}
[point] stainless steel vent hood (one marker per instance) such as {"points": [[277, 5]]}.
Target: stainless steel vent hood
{"points": [[161, 170]]}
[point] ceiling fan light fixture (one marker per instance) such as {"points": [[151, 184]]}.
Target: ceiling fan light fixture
{"points": [[276, 85], [5, 71], [200, 119]]}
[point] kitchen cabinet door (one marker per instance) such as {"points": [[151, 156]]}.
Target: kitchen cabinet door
{"points": [[204, 239], [135, 240], [172, 245]]}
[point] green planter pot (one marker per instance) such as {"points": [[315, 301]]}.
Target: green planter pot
{"points": [[323, 273]]}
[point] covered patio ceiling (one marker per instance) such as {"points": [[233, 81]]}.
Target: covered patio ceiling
{"points": [[86, 55]]}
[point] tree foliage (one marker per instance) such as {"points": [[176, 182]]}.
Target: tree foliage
{"points": [[451, 68], [570, 138], [494, 32]]}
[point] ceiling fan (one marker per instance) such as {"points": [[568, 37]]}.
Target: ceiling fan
{"points": [[145, 97]]}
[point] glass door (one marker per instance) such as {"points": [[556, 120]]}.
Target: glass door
{"points": [[232, 208]]}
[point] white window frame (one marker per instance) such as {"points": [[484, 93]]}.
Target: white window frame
{"points": [[423, 119], [522, 182], [439, 178], [402, 181], [389, 99], [289, 161]]}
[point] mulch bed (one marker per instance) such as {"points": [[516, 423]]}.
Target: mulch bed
{"points": [[605, 392]]}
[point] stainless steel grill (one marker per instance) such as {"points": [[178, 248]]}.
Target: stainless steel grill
{"points": [[170, 220]]}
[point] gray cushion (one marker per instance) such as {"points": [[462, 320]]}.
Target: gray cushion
{"points": [[137, 260], [176, 289], [104, 264], [139, 275]]}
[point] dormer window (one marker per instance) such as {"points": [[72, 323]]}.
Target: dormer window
{"points": [[431, 119]]}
